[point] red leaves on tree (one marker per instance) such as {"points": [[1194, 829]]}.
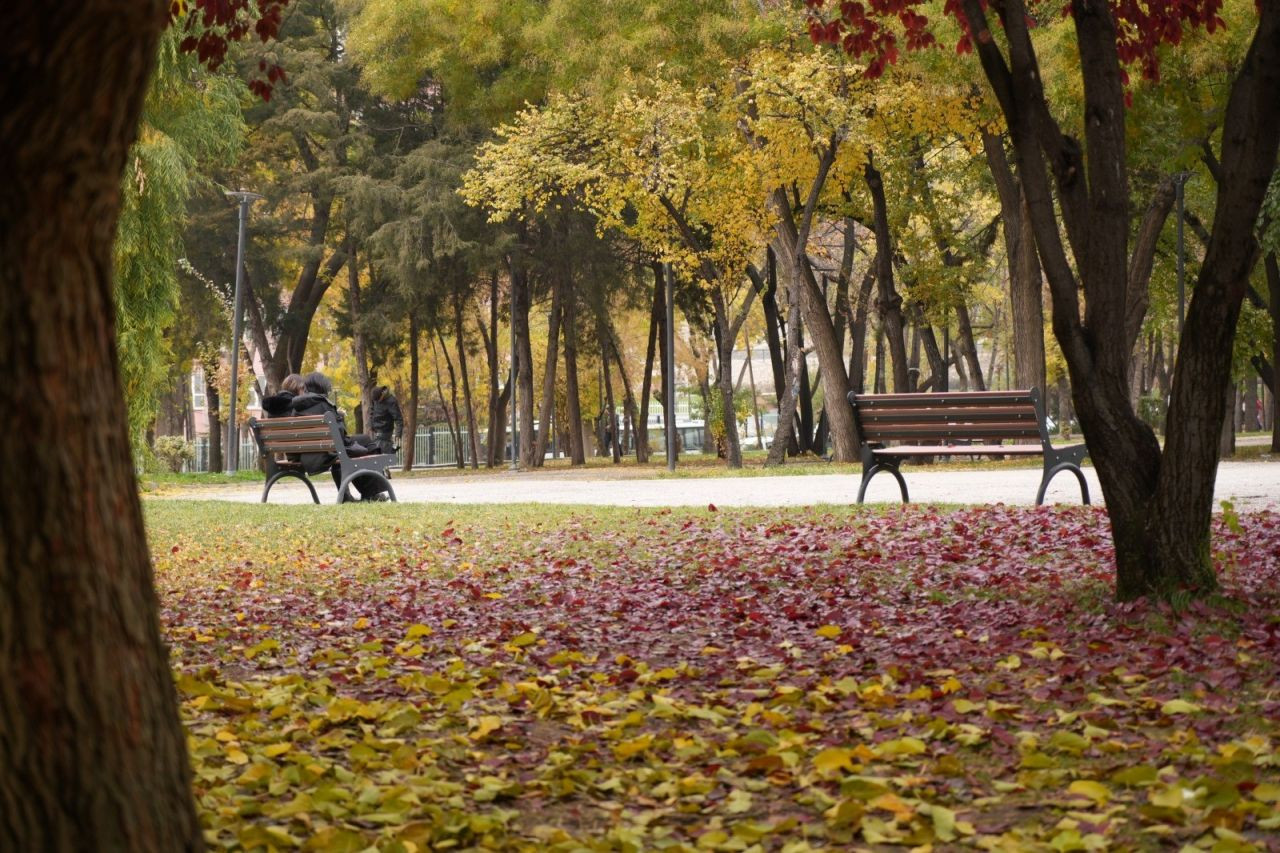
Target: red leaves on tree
{"points": [[869, 29], [214, 24]]}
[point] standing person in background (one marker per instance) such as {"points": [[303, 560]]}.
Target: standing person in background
{"points": [[386, 423]]}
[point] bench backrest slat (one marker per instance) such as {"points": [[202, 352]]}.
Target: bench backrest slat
{"points": [[306, 434], [993, 416]]}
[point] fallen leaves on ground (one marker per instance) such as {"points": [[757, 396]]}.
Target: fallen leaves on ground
{"points": [[557, 679]]}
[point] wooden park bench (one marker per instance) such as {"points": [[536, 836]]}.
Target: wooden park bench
{"points": [[279, 439], [961, 423]]}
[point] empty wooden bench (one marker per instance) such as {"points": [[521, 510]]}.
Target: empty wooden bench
{"points": [[960, 423], [281, 440]]}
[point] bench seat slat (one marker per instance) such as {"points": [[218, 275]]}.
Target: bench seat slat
{"points": [[961, 450], [325, 446], [882, 432], [993, 413], [943, 400], [288, 434]]}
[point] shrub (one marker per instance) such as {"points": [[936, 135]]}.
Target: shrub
{"points": [[173, 451]]}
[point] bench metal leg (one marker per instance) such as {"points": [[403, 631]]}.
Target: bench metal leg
{"points": [[1050, 473], [868, 473], [280, 475], [355, 475]]}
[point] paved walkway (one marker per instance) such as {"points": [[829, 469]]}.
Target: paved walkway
{"points": [[1248, 485]]}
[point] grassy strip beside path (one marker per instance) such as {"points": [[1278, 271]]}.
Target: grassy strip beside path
{"points": [[542, 678]]}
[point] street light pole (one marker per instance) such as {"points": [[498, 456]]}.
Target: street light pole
{"points": [[670, 403], [515, 429], [231, 460]]}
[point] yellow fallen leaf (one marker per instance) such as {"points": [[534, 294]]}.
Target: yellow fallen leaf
{"points": [[277, 749], [416, 631], [833, 758], [360, 624], [1179, 706], [900, 746], [485, 725], [1095, 791], [829, 631]]}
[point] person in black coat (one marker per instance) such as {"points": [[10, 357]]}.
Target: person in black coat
{"points": [[385, 420], [315, 401], [281, 405]]}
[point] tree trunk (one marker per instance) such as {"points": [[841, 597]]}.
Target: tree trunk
{"points": [[858, 333], [629, 397], [804, 423], [577, 453], [411, 416], [1227, 438], [1273, 291], [646, 383], [792, 242], [454, 423], [459, 334], [359, 349], [546, 408], [611, 409], [755, 401], [889, 303], [773, 323], [497, 396], [213, 410], [790, 386], [724, 380], [668, 412], [1025, 281], [1159, 500], [521, 297], [94, 753]]}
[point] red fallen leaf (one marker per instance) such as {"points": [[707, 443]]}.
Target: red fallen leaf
{"points": [[712, 508], [175, 549]]}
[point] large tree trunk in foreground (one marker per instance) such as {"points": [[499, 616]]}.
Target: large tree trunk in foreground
{"points": [[1159, 500], [92, 752]]}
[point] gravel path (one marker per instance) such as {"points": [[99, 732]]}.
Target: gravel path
{"points": [[1248, 485]]}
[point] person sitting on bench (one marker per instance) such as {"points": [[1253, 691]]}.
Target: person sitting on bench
{"points": [[281, 405], [315, 401]]}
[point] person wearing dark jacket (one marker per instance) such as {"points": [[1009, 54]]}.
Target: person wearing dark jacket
{"points": [[281, 405], [315, 401], [385, 420]]}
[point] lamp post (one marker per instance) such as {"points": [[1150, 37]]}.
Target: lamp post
{"points": [[231, 461], [515, 429], [669, 404]]}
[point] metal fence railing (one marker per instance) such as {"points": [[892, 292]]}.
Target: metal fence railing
{"points": [[433, 447]]}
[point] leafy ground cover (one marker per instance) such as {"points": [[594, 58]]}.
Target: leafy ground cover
{"points": [[545, 678]]}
